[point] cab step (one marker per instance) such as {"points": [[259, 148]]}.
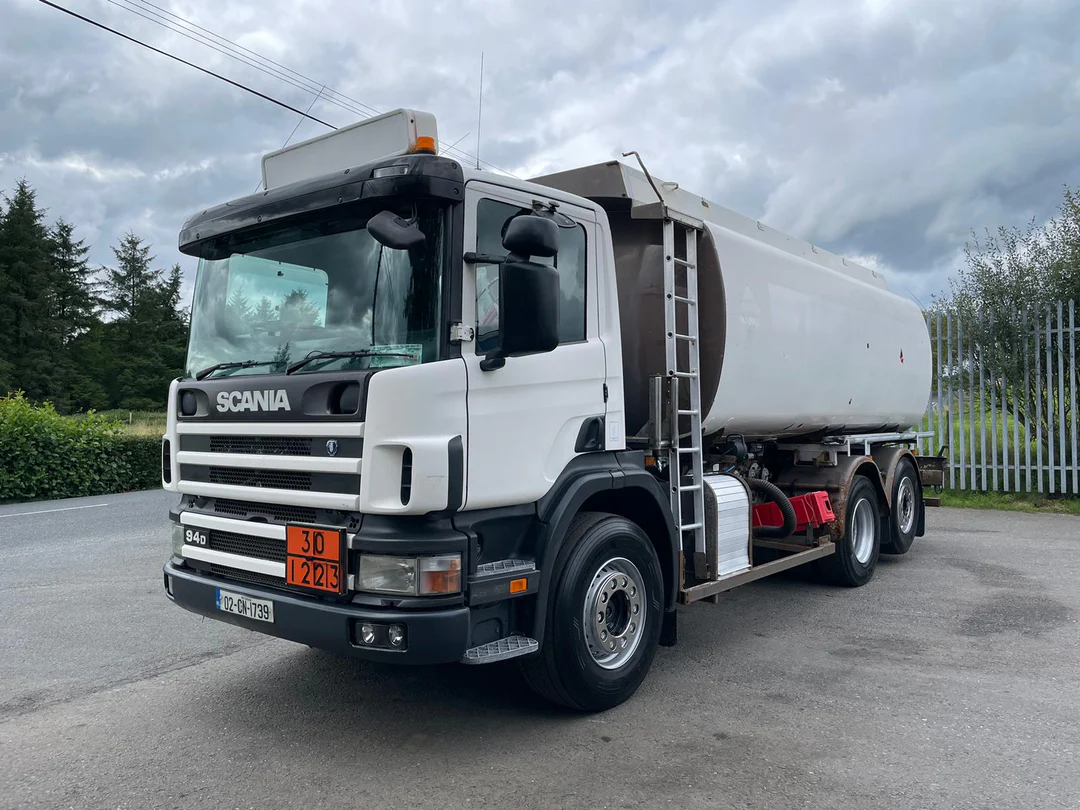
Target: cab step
{"points": [[501, 650], [499, 567], [502, 579]]}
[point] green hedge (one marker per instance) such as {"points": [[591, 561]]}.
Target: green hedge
{"points": [[45, 455]]}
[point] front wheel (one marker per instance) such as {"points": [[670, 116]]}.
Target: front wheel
{"points": [[604, 625], [856, 555]]}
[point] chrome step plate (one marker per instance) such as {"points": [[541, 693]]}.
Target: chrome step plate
{"points": [[500, 567], [501, 650]]}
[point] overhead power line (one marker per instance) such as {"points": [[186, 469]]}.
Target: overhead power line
{"points": [[237, 46], [234, 50], [240, 53], [203, 40], [228, 49], [299, 121], [244, 87]]}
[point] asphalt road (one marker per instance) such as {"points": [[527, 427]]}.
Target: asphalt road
{"points": [[952, 680]]}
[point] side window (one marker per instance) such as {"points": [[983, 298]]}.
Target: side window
{"points": [[492, 217]]}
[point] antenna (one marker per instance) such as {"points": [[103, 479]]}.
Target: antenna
{"points": [[479, 109], [298, 123]]}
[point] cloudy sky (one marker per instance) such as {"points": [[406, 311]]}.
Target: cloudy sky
{"points": [[881, 129]]}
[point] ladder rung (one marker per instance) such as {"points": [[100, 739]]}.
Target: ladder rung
{"points": [[689, 375], [683, 263], [690, 412], [685, 300], [689, 449], [691, 527], [690, 488], [689, 338]]}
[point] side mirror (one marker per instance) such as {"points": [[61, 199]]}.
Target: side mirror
{"points": [[390, 230], [531, 235], [528, 312]]}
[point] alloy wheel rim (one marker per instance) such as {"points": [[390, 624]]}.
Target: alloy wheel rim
{"points": [[615, 613], [863, 530]]}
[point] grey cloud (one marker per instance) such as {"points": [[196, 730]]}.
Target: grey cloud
{"points": [[881, 129]]}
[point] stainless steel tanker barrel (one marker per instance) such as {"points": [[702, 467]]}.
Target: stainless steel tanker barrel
{"points": [[794, 341]]}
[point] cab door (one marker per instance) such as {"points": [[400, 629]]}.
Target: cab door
{"points": [[526, 417]]}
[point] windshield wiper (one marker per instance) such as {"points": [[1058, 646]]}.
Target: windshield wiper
{"points": [[206, 372], [299, 364]]}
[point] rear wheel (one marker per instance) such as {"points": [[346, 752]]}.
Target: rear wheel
{"points": [[604, 625], [856, 554], [906, 503]]}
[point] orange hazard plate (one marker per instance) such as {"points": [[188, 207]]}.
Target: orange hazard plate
{"points": [[315, 558]]}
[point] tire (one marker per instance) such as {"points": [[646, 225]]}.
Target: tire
{"points": [[609, 592], [853, 563], [907, 501]]}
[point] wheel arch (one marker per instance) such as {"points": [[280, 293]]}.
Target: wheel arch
{"points": [[621, 487], [888, 460], [837, 482], [870, 470]]}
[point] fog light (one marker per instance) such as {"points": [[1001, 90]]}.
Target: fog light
{"points": [[381, 636]]}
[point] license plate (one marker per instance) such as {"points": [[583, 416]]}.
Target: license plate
{"points": [[259, 609], [315, 558]]}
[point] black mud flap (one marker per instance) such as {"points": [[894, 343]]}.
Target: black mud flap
{"points": [[669, 630]]}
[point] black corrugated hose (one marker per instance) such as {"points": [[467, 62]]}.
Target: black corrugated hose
{"points": [[774, 494]]}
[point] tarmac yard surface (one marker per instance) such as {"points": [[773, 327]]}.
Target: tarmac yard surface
{"points": [[952, 680]]}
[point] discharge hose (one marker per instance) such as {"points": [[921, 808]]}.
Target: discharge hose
{"points": [[774, 494]]}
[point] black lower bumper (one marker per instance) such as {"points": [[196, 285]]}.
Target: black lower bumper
{"points": [[432, 636]]}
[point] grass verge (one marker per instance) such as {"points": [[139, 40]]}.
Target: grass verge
{"points": [[135, 423], [1011, 501]]}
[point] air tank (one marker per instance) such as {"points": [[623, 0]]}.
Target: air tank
{"points": [[794, 341]]}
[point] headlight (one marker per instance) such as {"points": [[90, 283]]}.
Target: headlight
{"points": [[177, 540], [410, 576], [387, 574]]}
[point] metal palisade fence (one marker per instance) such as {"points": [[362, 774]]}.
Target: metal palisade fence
{"points": [[1003, 402]]}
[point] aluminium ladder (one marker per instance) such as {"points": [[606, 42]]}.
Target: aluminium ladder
{"points": [[689, 447]]}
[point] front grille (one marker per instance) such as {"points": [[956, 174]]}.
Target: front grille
{"points": [[264, 548], [271, 479], [247, 576], [280, 512], [261, 445]]}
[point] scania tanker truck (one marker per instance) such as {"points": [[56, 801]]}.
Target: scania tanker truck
{"points": [[435, 414]]}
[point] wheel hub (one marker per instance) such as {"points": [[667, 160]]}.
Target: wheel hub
{"points": [[615, 613], [905, 507]]}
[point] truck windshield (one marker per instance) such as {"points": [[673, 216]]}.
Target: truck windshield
{"points": [[321, 286]]}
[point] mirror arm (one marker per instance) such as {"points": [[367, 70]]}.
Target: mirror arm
{"points": [[482, 258], [494, 360]]}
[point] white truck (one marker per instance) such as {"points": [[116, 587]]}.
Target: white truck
{"points": [[432, 414]]}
